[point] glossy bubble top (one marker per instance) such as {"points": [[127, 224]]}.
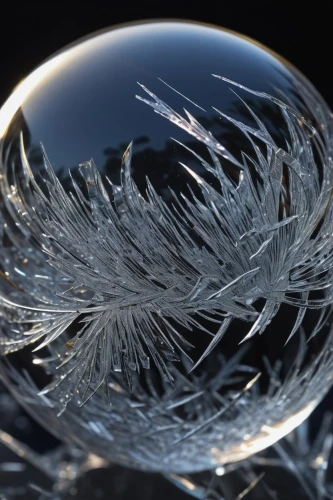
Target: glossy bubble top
{"points": [[81, 103], [175, 329]]}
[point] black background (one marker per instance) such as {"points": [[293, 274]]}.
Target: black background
{"points": [[31, 31]]}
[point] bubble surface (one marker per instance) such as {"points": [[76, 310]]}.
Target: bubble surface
{"points": [[176, 288]]}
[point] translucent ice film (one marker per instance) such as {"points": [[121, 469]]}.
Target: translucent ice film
{"points": [[166, 246]]}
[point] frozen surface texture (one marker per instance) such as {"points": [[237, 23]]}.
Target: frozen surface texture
{"points": [[123, 255], [181, 327], [299, 466], [129, 266]]}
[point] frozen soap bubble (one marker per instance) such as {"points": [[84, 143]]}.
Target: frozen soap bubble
{"points": [[167, 305]]}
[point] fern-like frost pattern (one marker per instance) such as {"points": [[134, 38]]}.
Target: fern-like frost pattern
{"points": [[134, 271]]}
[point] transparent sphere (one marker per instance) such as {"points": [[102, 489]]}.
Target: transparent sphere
{"points": [[166, 245]]}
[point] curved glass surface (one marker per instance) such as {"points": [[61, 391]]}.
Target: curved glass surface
{"points": [[203, 281], [81, 103]]}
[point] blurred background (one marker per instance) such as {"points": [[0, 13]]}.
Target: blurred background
{"points": [[32, 31]]}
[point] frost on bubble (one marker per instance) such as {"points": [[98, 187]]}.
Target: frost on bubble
{"points": [[301, 461], [133, 270]]}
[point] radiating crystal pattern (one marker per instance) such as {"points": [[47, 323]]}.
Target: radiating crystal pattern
{"points": [[167, 304]]}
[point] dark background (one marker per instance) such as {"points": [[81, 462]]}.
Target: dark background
{"points": [[31, 32]]}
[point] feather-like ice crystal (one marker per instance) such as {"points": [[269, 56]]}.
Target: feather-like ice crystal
{"points": [[133, 269]]}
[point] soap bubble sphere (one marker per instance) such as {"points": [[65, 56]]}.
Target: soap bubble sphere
{"points": [[167, 304]]}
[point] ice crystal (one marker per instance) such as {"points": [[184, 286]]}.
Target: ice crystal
{"points": [[203, 421], [134, 271], [301, 463]]}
